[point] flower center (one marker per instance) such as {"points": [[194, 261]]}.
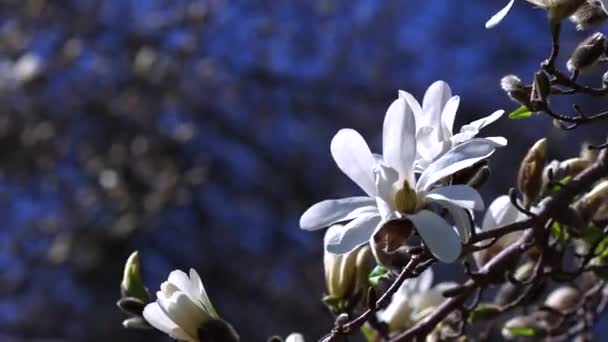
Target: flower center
{"points": [[405, 199]]}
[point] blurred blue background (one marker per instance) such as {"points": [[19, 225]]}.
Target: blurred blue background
{"points": [[197, 132]]}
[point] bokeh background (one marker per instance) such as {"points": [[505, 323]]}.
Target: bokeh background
{"points": [[197, 132]]}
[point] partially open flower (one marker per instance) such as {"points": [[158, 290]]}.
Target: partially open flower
{"points": [[182, 307]]}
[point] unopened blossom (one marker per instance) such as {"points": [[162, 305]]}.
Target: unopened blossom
{"points": [[182, 307], [435, 124], [414, 299], [394, 193], [500, 213], [348, 273]]}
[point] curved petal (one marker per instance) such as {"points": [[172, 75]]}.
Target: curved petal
{"points": [[423, 282], [157, 318], [448, 115], [435, 99], [483, 122], [180, 280], [462, 221], [458, 158], [183, 311], [386, 178], [328, 212], [202, 296], [414, 105], [399, 139], [462, 196], [353, 157], [498, 17], [352, 235], [440, 237], [501, 212]]}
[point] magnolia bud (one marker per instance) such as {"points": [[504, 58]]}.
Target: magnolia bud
{"points": [[592, 201], [132, 284], [563, 299], [345, 274], [516, 89], [541, 87], [530, 177], [589, 15], [588, 52], [390, 244], [561, 9]]}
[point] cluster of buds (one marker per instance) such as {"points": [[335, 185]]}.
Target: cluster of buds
{"points": [[347, 277]]}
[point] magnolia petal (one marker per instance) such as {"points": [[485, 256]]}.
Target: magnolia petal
{"points": [[448, 115], [414, 105], [353, 157], [184, 312], [157, 318], [399, 139], [202, 296], [295, 337], [498, 17], [440, 237], [501, 212], [458, 158], [179, 279], [604, 4], [435, 99], [421, 283], [328, 212], [352, 235], [483, 122], [462, 196], [386, 178], [462, 220]]}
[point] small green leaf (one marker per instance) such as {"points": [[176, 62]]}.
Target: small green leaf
{"points": [[562, 183], [332, 301], [484, 312], [559, 231], [601, 249], [377, 273], [368, 332], [520, 113], [521, 331], [592, 234]]}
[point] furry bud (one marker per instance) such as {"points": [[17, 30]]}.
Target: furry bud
{"points": [[561, 9], [588, 52], [563, 299], [593, 201], [589, 15], [516, 89], [530, 177]]}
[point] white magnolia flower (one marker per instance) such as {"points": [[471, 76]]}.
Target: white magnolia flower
{"points": [[435, 122], [295, 337], [181, 307], [413, 300], [500, 213], [393, 192]]}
